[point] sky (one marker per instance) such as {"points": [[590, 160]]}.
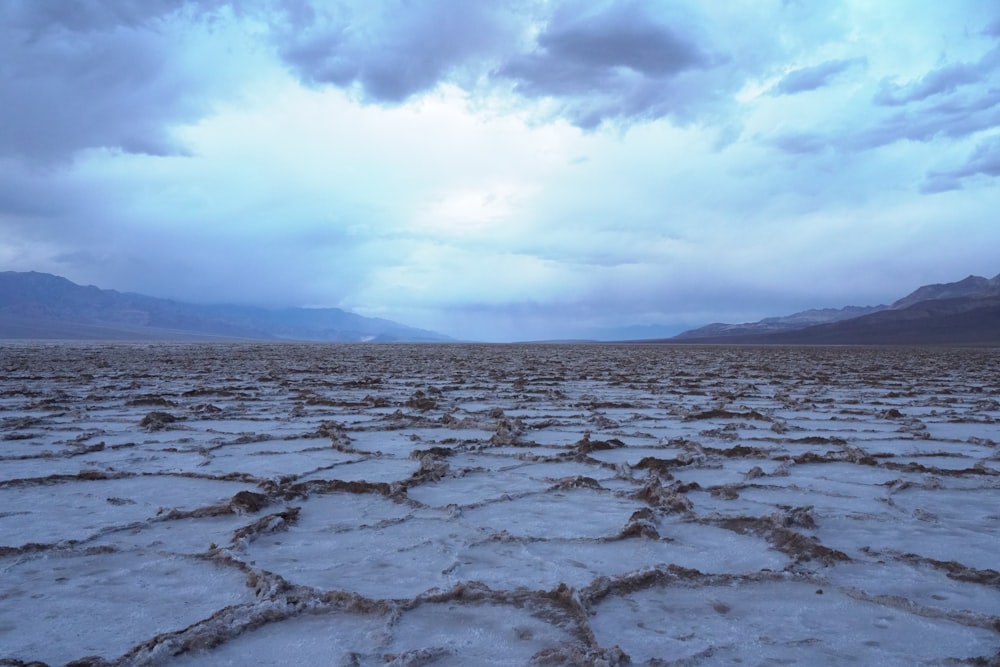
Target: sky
{"points": [[531, 169]]}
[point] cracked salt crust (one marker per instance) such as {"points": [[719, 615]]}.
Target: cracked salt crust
{"points": [[193, 504]]}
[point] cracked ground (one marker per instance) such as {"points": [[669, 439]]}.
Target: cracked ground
{"points": [[233, 504]]}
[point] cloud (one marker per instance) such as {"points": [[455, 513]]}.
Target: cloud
{"points": [[945, 79], [984, 161], [89, 15], [392, 50], [620, 60], [617, 62], [810, 78], [956, 118], [948, 103], [83, 75], [800, 143], [621, 37]]}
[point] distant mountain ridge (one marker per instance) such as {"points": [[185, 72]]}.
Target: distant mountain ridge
{"points": [[972, 286], [42, 305], [954, 321], [963, 312], [791, 322]]}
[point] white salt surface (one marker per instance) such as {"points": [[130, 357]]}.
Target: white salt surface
{"points": [[373, 469], [580, 512], [75, 510], [308, 639], [267, 462], [921, 585], [543, 565], [232, 504], [63, 606], [475, 634], [399, 560], [775, 622], [474, 488]]}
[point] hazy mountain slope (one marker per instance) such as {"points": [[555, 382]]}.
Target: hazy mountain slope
{"points": [[972, 286], [778, 324], [16, 326], [961, 321], [968, 320], [41, 305]]}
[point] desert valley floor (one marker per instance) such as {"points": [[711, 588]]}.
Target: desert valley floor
{"points": [[237, 504]]}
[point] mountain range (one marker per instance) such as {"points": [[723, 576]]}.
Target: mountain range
{"points": [[41, 305], [963, 312]]}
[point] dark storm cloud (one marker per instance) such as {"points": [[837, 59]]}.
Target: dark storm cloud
{"points": [[984, 160], [621, 62], [955, 118], [800, 143], [945, 79], [811, 78], [939, 182], [88, 15], [26, 196], [395, 50], [951, 102], [621, 37], [80, 75]]}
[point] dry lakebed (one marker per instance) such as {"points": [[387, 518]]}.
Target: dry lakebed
{"points": [[384, 504]]}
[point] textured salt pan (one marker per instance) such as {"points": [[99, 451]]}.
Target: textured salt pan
{"points": [[308, 639], [476, 487], [399, 560], [920, 584], [378, 469], [543, 565], [775, 622], [62, 606], [459, 634], [579, 512], [275, 504], [77, 509], [269, 460]]}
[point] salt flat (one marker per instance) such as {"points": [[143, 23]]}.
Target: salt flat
{"points": [[229, 504]]}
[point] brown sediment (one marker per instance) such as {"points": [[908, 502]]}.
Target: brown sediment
{"points": [[666, 499], [151, 400], [586, 445], [303, 489], [268, 524], [248, 502], [577, 482], [776, 531], [739, 452], [726, 414], [660, 467], [642, 523], [158, 420]]}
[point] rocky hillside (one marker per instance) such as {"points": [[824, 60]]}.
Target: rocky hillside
{"points": [[962, 312], [41, 305]]}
